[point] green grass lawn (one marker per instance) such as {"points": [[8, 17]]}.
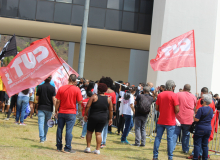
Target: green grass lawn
{"points": [[22, 142]]}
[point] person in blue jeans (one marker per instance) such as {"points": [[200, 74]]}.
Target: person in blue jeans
{"points": [[67, 96], [203, 127], [22, 103], [46, 99], [128, 111], [168, 105]]}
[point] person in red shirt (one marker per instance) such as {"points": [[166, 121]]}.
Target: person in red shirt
{"points": [[168, 105], [83, 108], [111, 94], [187, 103], [67, 96]]}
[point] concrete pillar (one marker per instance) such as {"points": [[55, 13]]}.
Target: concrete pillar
{"points": [[71, 53], [172, 18]]}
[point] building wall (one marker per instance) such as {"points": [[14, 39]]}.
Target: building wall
{"points": [[172, 18], [104, 61]]}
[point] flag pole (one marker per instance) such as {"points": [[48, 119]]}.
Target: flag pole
{"points": [[195, 62]]}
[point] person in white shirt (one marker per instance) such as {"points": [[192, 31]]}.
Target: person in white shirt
{"points": [[128, 111], [22, 103]]}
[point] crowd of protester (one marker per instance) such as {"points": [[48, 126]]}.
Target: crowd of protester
{"points": [[99, 102]]}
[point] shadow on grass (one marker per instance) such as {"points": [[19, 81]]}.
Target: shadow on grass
{"points": [[137, 158], [42, 147], [74, 143], [122, 149], [26, 139]]}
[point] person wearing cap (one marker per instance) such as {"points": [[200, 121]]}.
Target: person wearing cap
{"points": [[46, 99], [101, 111], [67, 96]]}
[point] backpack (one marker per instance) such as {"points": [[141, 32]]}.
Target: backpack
{"points": [[127, 95], [144, 104], [25, 92]]}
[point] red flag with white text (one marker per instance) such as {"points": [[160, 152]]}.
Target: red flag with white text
{"points": [[60, 76], [177, 53], [30, 67]]}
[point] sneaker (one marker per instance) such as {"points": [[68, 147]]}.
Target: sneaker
{"points": [[69, 151], [16, 122], [155, 158], [22, 124], [6, 119], [142, 145], [135, 145], [190, 157], [126, 142], [41, 141], [59, 150], [102, 146], [87, 150], [96, 152]]}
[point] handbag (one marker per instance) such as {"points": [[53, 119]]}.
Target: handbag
{"points": [[193, 126]]}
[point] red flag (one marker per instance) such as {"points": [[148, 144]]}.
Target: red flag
{"points": [[177, 53], [47, 38], [60, 77], [30, 67]]}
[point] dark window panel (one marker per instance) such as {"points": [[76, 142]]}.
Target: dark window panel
{"points": [[27, 9], [9, 8], [96, 17], [144, 23], [146, 7], [77, 15], [81, 2], [129, 21], [131, 5], [113, 19], [45, 11], [62, 13], [64, 1], [98, 3], [115, 4]]}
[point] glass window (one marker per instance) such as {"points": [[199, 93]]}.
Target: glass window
{"points": [[115, 4], [45, 11], [27, 9], [9, 8], [62, 13], [113, 19], [77, 15], [96, 17], [144, 23], [131, 5], [81, 2], [64, 1], [98, 3], [129, 21], [146, 7]]}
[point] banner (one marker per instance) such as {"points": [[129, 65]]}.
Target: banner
{"points": [[10, 48], [30, 67], [60, 77], [177, 53]]}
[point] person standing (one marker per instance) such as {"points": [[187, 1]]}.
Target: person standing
{"points": [[100, 111], [31, 101], [187, 103], [83, 108], [142, 101], [22, 103], [128, 111], [203, 127], [67, 96], [168, 105], [111, 94], [46, 99]]}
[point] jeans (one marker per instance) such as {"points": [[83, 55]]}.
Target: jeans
{"points": [[128, 126], [12, 104], [140, 133], [185, 136], [170, 132], [121, 124], [201, 138], [104, 134], [43, 117], [22, 103], [69, 120], [84, 130]]}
